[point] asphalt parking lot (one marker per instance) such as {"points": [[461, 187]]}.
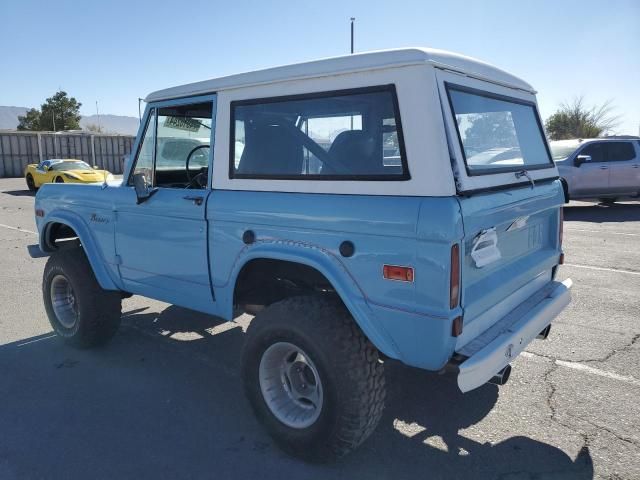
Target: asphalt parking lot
{"points": [[164, 399]]}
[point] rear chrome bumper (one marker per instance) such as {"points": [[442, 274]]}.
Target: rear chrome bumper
{"points": [[500, 344]]}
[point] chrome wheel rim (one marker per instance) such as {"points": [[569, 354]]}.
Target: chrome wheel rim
{"points": [[290, 385], [64, 301]]}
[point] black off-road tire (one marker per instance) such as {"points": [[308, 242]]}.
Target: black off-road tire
{"points": [[98, 310], [31, 184], [348, 365]]}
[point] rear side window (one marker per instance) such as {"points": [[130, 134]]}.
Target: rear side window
{"points": [[621, 151], [497, 134], [345, 135]]}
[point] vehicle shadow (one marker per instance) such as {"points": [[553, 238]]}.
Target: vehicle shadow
{"points": [[20, 193], [164, 400], [598, 213]]}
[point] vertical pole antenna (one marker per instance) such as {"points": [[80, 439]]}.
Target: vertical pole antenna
{"points": [[353, 19]]}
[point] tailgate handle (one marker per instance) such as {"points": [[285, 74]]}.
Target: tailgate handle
{"points": [[485, 248]]}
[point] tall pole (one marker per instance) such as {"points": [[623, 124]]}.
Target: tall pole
{"points": [[353, 19], [98, 115]]}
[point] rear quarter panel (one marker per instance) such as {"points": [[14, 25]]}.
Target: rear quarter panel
{"points": [[408, 321]]}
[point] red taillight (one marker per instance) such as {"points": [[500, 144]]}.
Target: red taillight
{"points": [[454, 285], [396, 272], [456, 327]]}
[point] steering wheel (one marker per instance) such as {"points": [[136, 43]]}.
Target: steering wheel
{"points": [[199, 179]]}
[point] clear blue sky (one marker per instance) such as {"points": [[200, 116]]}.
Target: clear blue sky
{"points": [[116, 51]]}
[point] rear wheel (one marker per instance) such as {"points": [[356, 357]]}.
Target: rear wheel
{"points": [[59, 180], [79, 310], [312, 377], [31, 184]]}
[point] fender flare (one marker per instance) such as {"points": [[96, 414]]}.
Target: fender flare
{"points": [[325, 262], [94, 255]]}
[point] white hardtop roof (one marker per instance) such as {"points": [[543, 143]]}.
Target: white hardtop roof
{"points": [[347, 64]]}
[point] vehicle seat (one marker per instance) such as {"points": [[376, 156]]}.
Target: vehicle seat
{"points": [[270, 150], [355, 149]]}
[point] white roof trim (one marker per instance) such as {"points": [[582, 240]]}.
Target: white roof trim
{"points": [[376, 60]]}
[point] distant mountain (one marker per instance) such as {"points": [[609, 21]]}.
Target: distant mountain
{"points": [[112, 123], [9, 116], [120, 124]]}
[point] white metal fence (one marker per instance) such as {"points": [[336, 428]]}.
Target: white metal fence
{"points": [[18, 149]]}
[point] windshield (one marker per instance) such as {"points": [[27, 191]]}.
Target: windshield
{"points": [[560, 150], [497, 134], [76, 165]]}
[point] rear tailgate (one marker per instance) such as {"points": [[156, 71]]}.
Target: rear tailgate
{"points": [[509, 250]]}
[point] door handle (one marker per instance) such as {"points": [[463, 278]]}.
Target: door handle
{"points": [[193, 198], [604, 168], [635, 166]]}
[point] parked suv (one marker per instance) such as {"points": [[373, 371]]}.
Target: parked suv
{"points": [[606, 169], [358, 206]]}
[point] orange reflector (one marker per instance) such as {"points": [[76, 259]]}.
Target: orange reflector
{"points": [[395, 272], [39, 212], [456, 327], [454, 285]]}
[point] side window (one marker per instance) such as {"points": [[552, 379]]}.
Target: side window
{"points": [[348, 135], [182, 145], [596, 151], [144, 162], [620, 151]]}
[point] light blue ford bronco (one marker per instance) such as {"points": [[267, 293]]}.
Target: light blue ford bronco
{"points": [[397, 204]]}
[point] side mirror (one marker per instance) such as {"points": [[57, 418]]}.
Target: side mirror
{"points": [[46, 168], [580, 159], [143, 189]]}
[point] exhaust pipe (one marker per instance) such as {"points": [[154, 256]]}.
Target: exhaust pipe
{"points": [[502, 376], [544, 333]]}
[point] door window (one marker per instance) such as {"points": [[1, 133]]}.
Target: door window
{"points": [[182, 145], [596, 151]]}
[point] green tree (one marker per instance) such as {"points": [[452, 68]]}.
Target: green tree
{"points": [[575, 119], [30, 121], [59, 112]]}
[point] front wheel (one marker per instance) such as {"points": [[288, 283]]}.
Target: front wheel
{"points": [[59, 180], [79, 310], [31, 184], [312, 377]]}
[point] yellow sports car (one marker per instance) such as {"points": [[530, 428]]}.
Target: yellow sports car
{"points": [[63, 171]]}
